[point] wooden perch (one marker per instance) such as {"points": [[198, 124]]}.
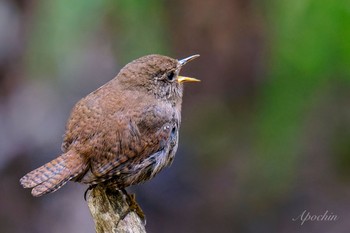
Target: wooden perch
{"points": [[112, 211]]}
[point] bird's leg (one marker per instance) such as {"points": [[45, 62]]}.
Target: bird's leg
{"points": [[133, 206]]}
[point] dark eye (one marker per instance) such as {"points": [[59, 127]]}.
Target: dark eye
{"points": [[171, 75]]}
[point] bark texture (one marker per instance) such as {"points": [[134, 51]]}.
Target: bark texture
{"points": [[112, 211]]}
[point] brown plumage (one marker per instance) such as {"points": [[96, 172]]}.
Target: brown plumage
{"points": [[123, 133]]}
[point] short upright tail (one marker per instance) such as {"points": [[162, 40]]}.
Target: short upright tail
{"points": [[53, 175]]}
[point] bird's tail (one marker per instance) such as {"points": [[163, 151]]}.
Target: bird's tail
{"points": [[53, 175]]}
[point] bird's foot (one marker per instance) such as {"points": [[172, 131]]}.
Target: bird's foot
{"points": [[133, 206], [88, 189]]}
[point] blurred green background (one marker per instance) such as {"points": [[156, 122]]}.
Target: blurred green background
{"points": [[265, 135]]}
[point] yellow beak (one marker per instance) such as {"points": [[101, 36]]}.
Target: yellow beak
{"points": [[182, 79]]}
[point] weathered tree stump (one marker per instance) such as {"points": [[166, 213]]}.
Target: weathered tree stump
{"points": [[112, 211]]}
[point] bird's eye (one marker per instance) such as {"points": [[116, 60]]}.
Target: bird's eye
{"points": [[171, 76]]}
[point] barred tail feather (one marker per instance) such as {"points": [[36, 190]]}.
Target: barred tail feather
{"points": [[53, 175]]}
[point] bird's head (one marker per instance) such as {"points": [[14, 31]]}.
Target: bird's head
{"points": [[157, 75]]}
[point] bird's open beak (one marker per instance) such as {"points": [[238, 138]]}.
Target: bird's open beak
{"points": [[188, 59], [182, 79]]}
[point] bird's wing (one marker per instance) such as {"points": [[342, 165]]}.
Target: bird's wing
{"points": [[130, 145], [129, 139]]}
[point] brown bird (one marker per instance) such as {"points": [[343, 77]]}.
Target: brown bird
{"points": [[123, 133]]}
